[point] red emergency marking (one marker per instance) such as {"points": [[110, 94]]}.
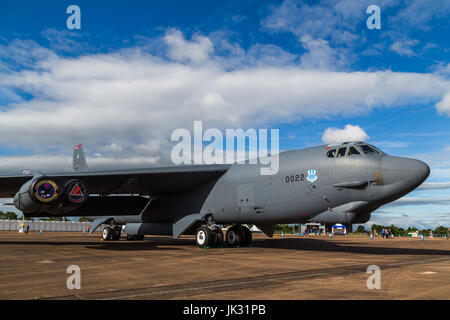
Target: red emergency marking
{"points": [[76, 191]]}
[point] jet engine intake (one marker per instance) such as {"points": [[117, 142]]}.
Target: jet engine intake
{"points": [[51, 195]]}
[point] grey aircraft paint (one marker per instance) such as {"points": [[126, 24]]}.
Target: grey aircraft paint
{"points": [[328, 184]]}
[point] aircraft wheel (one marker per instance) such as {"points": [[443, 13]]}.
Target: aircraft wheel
{"points": [[247, 239], [204, 237], [107, 233], [234, 236], [218, 236], [116, 234]]}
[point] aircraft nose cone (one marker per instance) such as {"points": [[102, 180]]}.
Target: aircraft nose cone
{"points": [[422, 170], [411, 172]]}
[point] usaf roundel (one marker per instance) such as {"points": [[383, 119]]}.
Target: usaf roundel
{"points": [[312, 175]]}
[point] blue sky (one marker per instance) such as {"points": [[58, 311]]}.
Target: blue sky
{"points": [[136, 70]]}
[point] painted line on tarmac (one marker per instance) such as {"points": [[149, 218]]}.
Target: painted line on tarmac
{"points": [[416, 262], [336, 271], [209, 287], [258, 281]]}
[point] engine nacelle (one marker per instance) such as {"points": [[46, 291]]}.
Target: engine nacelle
{"points": [[51, 195]]}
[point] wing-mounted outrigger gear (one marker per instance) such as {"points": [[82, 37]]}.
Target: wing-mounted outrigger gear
{"points": [[79, 163]]}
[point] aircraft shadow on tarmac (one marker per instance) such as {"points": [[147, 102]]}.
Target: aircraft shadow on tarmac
{"points": [[48, 243], [146, 244], [108, 245], [336, 246], [301, 244], [287, 244]]}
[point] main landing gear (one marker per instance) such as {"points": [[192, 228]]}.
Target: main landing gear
{"points": [[212, 236], [209, 236], [111, 233], [238, 236]]}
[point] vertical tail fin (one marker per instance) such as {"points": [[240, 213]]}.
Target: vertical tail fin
{"points": [[79, 161]]}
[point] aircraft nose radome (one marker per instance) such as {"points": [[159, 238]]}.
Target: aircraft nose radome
{"points": [[404, 169], [421, 169]]}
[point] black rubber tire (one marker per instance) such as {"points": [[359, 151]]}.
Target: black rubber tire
{"points": [[107, 233], [243, 236], [116, 234], [247, 236], [204, 237], [219, 235], [234, 237], [216, 237]]}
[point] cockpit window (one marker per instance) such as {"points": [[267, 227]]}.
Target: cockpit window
{"points": [[330, 154], [352, 150], [367, 149], [357, 148], [341, 152]]}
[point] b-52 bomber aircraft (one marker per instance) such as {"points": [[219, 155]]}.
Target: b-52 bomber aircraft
{"points": [[329, 184]]}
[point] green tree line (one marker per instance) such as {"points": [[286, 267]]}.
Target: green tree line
{"points": [[9, 215], [398, 231]]}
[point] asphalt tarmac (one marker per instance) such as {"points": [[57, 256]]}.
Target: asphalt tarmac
{"points": [[35, 266]]}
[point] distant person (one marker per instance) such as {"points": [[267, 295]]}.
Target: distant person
{"points": [[382, 233], [448, 233], [28, 229]]}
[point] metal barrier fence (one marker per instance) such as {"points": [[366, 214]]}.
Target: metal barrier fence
{"points": [[45, 226]]}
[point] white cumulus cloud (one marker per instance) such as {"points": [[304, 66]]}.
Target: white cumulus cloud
{"points": [[443, 106], [197, 50], [349, 133], [128, 102]]}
